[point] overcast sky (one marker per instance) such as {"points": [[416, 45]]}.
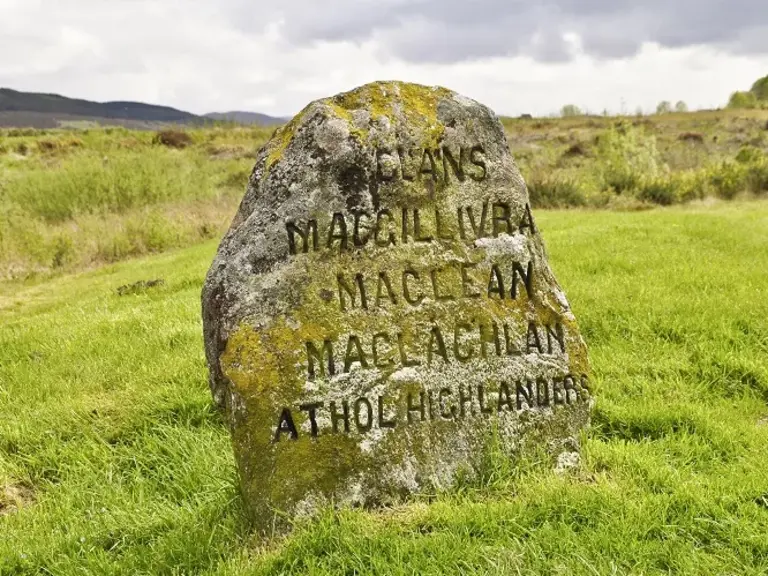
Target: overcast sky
{"points": [[276, 56]]}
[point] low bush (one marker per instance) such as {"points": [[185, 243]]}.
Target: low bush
{"points": [[728, 179], [627, 157], [173, 139], [575, 150], [757, 178], [690, 184], [46, 145], [694, 137], [662, 191], [749, 154], [553, 192]]}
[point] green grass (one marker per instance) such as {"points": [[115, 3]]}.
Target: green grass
{"points": [[113, 461]]}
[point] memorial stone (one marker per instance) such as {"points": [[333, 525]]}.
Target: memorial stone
{"points": [[381, 315]]}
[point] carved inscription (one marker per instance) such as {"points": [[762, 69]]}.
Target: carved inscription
{"points": [[426, 405], [412, 286], [347, 231], [461, 342], [436, 164]]}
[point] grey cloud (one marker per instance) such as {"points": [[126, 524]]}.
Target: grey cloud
{"points": [[443, 31]]}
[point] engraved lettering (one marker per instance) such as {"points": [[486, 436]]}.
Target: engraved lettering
{"points": [[417, 228], [354, 353], [352, 291], [368, 415], [383, 422], [336, 417], [428, 164], [411, 408], [308, 233], [357, 240], [436, 288], [315, 355], [446, 412], [286, 425], [436, 345], [442, 234], [466, 282], [339, 222], [311, 410], [450, 160], [461, 357], [403, 156], [476, 157], [541, 386], [404, 360], [496, 283], [465, 399], [390, 239], [384, 284], [527, 221], [478, 229], [524, 395], [526, 275], [504, 398], [415, 301], [555, 334], [502, 214], [381, 362], [532, 340], [484, 409]]}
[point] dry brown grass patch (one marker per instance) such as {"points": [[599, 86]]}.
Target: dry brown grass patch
{"points": [[14, 497]]}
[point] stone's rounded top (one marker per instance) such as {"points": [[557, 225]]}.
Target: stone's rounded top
{"points": [[373, 113]]}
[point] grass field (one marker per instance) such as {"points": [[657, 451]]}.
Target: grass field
{"points": [[113, 461]]}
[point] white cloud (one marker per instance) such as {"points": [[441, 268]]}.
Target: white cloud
{"points": [[206, 56]]}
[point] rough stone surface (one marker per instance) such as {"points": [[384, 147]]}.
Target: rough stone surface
{"points": [[380, 318]]}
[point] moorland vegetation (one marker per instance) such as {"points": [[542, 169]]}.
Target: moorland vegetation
{"points": [[75, 198]]}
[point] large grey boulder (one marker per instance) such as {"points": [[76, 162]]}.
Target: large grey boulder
{"points": [[380, 315]]}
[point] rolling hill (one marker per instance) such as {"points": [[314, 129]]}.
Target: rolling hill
{"points": [[36, 110], [246, 118]]}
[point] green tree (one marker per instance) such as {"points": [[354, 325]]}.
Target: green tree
{"points": [[570, 110], [663, 107], [760, 89], [742, 100], [681, 106]]}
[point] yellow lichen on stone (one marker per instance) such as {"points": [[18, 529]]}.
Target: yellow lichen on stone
{"points": [[280, 140], [249, 353], [417, 103]]}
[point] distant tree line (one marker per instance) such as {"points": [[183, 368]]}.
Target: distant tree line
{"points": [[663, 107], [755, 97]]}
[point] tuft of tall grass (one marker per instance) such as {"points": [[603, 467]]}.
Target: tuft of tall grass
{"points": [[87, 184]]}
